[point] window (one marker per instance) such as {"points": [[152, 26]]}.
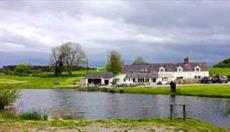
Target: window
{"points": [[161, 69], [164, 79], [144, 70], [179, 78], [197, 69], [197, 77], [179, 69]]}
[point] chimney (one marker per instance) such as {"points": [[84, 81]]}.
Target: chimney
{"points": [[186, 60]]}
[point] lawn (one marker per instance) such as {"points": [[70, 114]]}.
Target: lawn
{"points": [[207, 90], [43, 80], [113, 125], [36, 82], [220, 71]]}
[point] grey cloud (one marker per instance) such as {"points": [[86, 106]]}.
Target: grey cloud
{"points": [[158, 31], [10, 38]]}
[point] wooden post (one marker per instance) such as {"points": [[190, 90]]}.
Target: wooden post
{"points": [[184, 112], [171, 111]]}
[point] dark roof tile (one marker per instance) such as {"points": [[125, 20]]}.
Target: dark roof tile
{"points": [[99, 75], [170, 67]]}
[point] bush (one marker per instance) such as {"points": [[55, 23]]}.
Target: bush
{"points": [[33, 116], [22, 70], [7, 114], [7, 97]]}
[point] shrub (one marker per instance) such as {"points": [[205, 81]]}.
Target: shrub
{"points": [[22, 70], [33, 116], [7, 96]]}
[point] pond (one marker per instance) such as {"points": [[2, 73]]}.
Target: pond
{"points": [[99, 105]]}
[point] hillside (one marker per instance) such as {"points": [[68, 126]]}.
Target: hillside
{"points": [[219, 71], [223, 64]]}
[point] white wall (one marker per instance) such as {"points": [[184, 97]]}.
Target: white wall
{"points": [[172, 76], [191, 75], [165, 77], [120, 79]]}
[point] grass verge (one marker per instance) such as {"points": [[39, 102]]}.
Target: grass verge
{"points": [[206, 90]]}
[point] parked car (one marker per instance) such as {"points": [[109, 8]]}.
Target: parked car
{"points": [[205, 80], [228, 78], [159, 83], [220, 79]]}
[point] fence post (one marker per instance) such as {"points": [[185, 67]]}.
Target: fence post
{"points": [[171, 112], [184, 112]]}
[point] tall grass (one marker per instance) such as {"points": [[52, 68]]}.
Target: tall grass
{"points": [[33, 116], [8, 96]]}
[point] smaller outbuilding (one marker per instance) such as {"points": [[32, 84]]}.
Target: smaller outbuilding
{"points": [[99, 78]]}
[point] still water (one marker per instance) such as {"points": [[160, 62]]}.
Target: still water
{"points": [[99, 105]]}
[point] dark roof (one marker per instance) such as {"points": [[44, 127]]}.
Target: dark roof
{"points": [[170, 67], [141, 75], [99, 75]]}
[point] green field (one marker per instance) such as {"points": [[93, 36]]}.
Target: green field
{"points": [[220, 71], [37, 82], [113, 125], [206, 90], [43, 80]]}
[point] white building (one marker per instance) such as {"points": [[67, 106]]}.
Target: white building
{"points": [[98, 78], [163, 72], [152, 73]]}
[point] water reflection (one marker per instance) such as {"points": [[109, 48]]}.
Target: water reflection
{"points": [[97, 105]]}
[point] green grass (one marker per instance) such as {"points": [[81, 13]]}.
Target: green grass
{"points": [[35, 82], [79, 73], [33, 116], [220, 71], [44, 80], [206, 90], [190, 125]]}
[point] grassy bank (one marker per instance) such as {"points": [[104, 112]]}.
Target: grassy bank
{"points": [[206, 90], [118, 125]]}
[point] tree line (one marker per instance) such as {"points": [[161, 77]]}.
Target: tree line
{"points": [[68, 57]]}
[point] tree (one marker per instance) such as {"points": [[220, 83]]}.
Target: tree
{"points": [[22, 70], [57, 61], [66, 57], [73, 55], [114, 62], [139, 61]]}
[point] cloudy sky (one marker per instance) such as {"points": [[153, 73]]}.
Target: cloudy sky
{"points": [[157, 31]]}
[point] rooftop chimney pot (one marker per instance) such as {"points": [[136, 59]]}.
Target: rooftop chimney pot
{"points": [[186, 60]]}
